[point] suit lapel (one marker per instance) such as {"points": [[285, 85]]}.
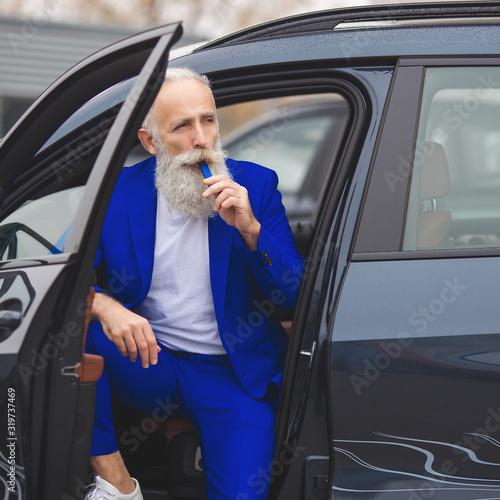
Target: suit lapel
{"points": [[219, 243], [142, 206]]}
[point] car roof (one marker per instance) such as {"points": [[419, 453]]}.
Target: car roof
{"points": [[352, 34], [328, 20]]}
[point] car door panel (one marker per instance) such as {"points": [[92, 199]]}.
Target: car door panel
{"points": [[415, 362]]}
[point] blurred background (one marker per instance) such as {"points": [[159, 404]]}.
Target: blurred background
{"points": [[40, 39]]}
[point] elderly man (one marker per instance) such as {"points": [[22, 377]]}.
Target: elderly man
{"points": [[206, 260]]}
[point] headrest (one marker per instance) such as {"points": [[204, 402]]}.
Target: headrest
{"points": [[435, 178]]}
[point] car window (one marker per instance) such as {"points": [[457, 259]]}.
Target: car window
{"points": [[40, 225], [455, 176], [298, 137], [46, 192], [36, 222]]}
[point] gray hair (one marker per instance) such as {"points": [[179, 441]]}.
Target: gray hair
{"points": [[174, 75]]}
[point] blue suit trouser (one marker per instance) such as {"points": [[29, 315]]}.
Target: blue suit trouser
{"points": [[236, 431]]}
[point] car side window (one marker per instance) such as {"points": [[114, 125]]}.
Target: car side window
{"points": [[298, 137], [454, 197], [46, 192]]}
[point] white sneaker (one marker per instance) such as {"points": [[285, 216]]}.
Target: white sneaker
{"points": [[102, 490]]}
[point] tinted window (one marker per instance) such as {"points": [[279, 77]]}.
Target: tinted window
{"points": [[45, 194], [455, 178], [298, 137]]}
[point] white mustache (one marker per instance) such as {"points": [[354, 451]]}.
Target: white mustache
{"points": [[182, 185], [198, 155]]}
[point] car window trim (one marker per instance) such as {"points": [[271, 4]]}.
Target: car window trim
{"points": [[380, 227], [452, 60], [438, 253]]}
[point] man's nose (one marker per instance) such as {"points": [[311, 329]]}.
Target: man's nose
{"points": [[199, 139]]}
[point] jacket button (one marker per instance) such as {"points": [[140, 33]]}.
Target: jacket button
{"points": [[267, 258]]}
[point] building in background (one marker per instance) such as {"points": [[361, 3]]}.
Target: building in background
{"points": [[33, 55]]}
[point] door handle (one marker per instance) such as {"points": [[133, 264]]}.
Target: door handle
{"points": [[11, 316], [309, 353]]}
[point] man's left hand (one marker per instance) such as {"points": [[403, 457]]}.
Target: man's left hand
{"points": [[233, 205]]}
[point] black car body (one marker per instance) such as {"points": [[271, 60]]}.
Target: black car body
{"points": [[390, 384]]}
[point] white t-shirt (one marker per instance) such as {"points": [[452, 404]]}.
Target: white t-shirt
{"points": [[179, 304]]}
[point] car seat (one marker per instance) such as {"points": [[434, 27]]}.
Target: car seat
{"points": [[433, 224]]}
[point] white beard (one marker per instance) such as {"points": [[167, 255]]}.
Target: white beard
{"points": [[180, 179]]}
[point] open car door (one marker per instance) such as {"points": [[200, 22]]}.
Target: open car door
{"points": [[58, 167]]}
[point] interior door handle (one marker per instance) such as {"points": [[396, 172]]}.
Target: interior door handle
{"points": [[11, 316], [10, 319]]}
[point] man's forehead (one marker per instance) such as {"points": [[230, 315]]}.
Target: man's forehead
{"points": [[185, 98], [185, 91]]}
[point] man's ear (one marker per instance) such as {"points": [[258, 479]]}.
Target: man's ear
{"points": [[147, 141]]}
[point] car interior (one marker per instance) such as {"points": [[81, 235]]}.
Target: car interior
{"points": [[456, 169]]}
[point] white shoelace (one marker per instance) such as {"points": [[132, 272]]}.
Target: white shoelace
{"points": [[97, 493]]}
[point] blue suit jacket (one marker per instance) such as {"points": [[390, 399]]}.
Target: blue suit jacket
{"points": [[246, 285]]}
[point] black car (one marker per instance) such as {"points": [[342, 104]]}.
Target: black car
{"points": [[390, 388]]}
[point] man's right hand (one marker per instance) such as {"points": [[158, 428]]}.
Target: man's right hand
{"points": [[130, 332]]}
